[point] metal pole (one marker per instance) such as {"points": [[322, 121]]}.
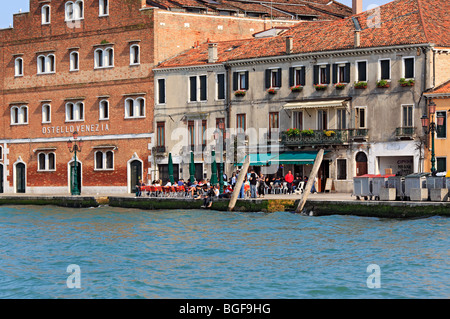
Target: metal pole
{"points": [[433, 158], [75, 170]]}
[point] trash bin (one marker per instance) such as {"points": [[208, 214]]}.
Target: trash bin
{"points": [[436, 182], [397, 182], [418, 180], [378, 182], [362, 186]]}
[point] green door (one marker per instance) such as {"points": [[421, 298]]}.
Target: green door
{"points": [[20, 178], [72, 175], [136, 174]]}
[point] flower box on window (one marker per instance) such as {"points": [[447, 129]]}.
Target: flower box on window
{"points": [[297, 88], [293, 132], [307, 133], [329, 133], [404, 82], [340, 86], [272, 91], [239, 93], [361, 85], [383, 84], [320, 87]]}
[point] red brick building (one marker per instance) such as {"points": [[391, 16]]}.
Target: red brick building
{"points": [[86, 66]]}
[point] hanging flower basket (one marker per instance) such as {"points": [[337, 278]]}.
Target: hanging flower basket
{"points": [[239, 93], [383, 84], [361, 85], [340, 86], [320, 87], [297, 88]]}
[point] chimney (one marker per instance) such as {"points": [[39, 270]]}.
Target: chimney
{"points": [[143, 4], [357, 6], [289, 44], [357, 38], [212, 53]]}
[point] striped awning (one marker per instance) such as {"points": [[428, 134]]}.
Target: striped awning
{"points": [[314, 104]]}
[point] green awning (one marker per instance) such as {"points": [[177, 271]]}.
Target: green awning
{"points": [[298, 158], [260, 159]]}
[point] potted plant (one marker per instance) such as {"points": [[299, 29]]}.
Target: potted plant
{"points": [[272, 91], [383, 84], [239, 93], [329, 133], [320, 87], [307, 133], [361, 85], [296, 88], [293, 132], [340, 86], [404, 82]]}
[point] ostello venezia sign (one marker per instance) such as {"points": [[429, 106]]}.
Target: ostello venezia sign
{"points": [[79, 128]]}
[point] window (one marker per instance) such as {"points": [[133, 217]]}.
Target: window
{"points": [[297, 118], [204, 127], [19, 115], [385, 70], [341, 119], [220, 82], [274, 123], [191, 133], [74, 10], [341, 169], [361, 71], [341, 73], [46, 113], [407, 116], [240, 80], [160, 134], [104, 160], [322, 120], [322, 74], [45, 14], [273, 78], [197, 88], [441, 164], [240, 123], [361, 117], [18, 67], [103, 9], [441, 130], [46, 162], [161, 98], [74, 61], [46, 64], [134, 55], [297, 76], [74, 111], [135, 108], [408, 68], [1, 152], [103, 109], [104, 58]]}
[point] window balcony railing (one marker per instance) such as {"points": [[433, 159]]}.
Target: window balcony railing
{"points": [[159, 150], [317, 137], [405, 132], [359, 134]]}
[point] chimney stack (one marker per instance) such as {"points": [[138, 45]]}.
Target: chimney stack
{"points": [[357, 38], [212, 53], [289, 44], [357, 6], [143, 4]]}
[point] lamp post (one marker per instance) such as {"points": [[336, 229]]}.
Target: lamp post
{"points": [[430, 127], [74, 147]]}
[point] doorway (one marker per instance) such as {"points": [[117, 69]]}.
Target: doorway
{"points": [[361, 164], [72, 176], [135, 174], [1, 179], [322, 175], [20, 178]]}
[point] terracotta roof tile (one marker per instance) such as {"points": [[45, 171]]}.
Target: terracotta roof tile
{"points": [[443, 88]]}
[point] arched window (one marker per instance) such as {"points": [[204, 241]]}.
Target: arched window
{"points": [[50, 63], [74, 10], [98, 160], [134, 108], [129, 108], [104, 160], [14, 115], [98, 58], [41, 64], [46, 64], [1, 152], [46, 162], [51, 161], [19, 115], [104, 58], [104, 110], [109, 160], [18, 67], [46, 113], [109, 57], [41, 161], [74, 61], [45, 14], [141, 107], [103, 8], [69, 10], [134, 54], [74, 111]]}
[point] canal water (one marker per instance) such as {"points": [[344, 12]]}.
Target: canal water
{"points": [[127, 253]]}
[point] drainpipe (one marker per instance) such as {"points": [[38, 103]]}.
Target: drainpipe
{"points": [[228, 83]]}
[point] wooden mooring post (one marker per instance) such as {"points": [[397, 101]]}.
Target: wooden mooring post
{"points": [[240, 180], [310, 183]]}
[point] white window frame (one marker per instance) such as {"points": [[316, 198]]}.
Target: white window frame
{"points": [[77, 10], [101, 8], [294, 125], [133, 54], [198, 88], [412, 115], [135, 107], [322, 66], [446, 162], [272, 71], [379, 69], [46, 67], [404, 69], [1, 152], [357, 116], [46, 162], [44, 106], [446, 124], [104, 161], [241, 74], [106, 61], [296, 69], [101, 106], [77, 115], [339, 65], [74, 54], [337, 118], [357, 73], [45, 16], [21, 110], [16, 67], [157, 91]]}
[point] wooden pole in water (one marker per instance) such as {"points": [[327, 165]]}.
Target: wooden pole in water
{"points": [[240, 180], [310, 183]]}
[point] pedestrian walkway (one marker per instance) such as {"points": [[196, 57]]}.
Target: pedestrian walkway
{"points": [[315, 196]]}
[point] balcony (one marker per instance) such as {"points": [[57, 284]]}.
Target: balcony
{"points": [[334, 137], [159, 150], [405, 133], [359, 134]]}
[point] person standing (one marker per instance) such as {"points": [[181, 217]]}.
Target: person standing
{"points": [[289, 178], [253, 180], [262, 186]]}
